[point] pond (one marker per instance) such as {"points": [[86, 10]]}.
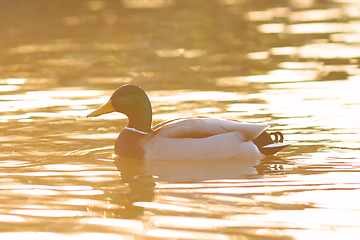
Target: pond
{"points": [[291, 63]]}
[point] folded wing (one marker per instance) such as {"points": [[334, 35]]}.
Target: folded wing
{"points": [[201, 127]]}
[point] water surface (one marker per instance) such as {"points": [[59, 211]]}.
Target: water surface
{"points": [[290, 63]]}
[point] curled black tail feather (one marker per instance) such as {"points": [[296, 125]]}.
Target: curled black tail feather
{"points": [[264, 139], [279, 137]]}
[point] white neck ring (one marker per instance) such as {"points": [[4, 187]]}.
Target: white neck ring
{"points": [[135, 130]]}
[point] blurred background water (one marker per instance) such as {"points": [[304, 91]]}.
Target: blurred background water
{"points": [[293, 63]]}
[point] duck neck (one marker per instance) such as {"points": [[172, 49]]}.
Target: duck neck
{"points": [[141, 121]]}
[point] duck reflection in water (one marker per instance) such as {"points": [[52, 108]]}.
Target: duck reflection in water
{"points": [[187, 170], [141, 176]]}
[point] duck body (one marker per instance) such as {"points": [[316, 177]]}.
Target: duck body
{"points": [[192, 138]]}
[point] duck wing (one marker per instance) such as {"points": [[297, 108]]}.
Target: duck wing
{"points": [[202, 127]]}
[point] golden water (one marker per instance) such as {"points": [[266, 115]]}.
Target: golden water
{"points": [[291, 63]]}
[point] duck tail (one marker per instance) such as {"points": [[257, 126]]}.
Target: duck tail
{"points": [[267, 145]]}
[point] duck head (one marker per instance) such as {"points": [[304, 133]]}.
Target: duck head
{"points": [[132, 101]]}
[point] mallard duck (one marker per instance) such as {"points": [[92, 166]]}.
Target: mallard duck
{"points": [[185, 138]]}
